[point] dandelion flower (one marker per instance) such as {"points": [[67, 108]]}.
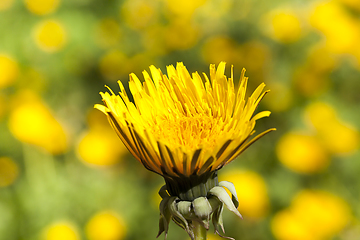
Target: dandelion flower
{"points": [[185, 130]]}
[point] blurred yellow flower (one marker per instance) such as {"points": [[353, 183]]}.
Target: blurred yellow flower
{"points": [[254, 56], [61, 231], [283, 25], [213, 11], [302, 153], [139, 14], [110, 62], [106, 225], [8, 70], [338, 137], [50, 36], [32, 122], [218, 48], [313, 215], [107, 33], [152, 39], [309, 82], [285, 226], [341, 31], [183, 9], [101, 147], [282, 97], [180, 35], [354, 4], [253, 197], [322, 213], [42, 7], [9, 171], [321, 60], [6, 4], [319, 113]]}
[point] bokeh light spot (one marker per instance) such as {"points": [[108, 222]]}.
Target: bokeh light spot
{"points": [[324, 214], [338, 137], [219, 48], [61, 231], [42, 7], [101, 147], [32, 122], [302, 153], [283, 26], [107, 33], [106, 225], [8, 70], [251, 192], [50, 36], [139, 14]]}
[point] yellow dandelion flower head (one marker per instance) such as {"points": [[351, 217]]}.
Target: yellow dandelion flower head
{"points": [[178, 126]]}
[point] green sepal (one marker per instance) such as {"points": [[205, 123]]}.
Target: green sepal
{"points": [[184, 208], [224, 197], [202, 208], [230, 186], [163, 192], [217, 219], [165, 216], [178, 218], [218, 222]]}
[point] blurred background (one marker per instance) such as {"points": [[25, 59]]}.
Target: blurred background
{"points": [[64, 175]]}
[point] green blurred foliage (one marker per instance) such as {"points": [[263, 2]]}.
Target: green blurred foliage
{"points": [[61, 163]]}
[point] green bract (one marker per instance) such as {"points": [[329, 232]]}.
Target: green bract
{"points": [[202, 209]]}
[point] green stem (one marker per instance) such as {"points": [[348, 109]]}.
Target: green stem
{"points": [[199, 231]]}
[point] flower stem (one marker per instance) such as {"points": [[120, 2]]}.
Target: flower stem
{"points": [[199, 231]]}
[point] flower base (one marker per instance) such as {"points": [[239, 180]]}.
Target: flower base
{"points": [[192, 202], [192, 187]]}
